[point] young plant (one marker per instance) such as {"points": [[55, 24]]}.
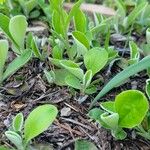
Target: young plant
{"points": [[127, 111], [37, 122], [15, 30], [84, 145], [122, 76], [16, 64], [124, 21], [17, 7], [94, 60]]}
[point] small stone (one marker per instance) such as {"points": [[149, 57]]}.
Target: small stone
{"points": [[66, 111]]}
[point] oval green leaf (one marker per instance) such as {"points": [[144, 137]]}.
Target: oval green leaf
{"points": [[132, 106], [17, 28], [95, 59], [39, 120]]}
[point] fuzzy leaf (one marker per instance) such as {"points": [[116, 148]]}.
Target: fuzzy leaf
{"points": [[111, 120], [72, 68], [39, 120], [80, 24], [73, 82], [18, 122], [148, 88], [17, 28], [15, 139], [108, 106], [87, 78], [84, 145], [3, 53], [17, 63], [148, 36], [132, 106], [81, 38], [4, 25], [95, 59]]}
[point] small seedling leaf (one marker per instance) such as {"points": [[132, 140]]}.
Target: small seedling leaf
{"points": [[17, 63], [95, 59], [18, 122], [84, 145], [17, 28], [39, 120]]}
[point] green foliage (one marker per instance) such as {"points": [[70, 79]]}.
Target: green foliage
{"points": [[18, 7], [15, 29], [84, 145], [127, 111], [80, 24], [132, 107], [95, 59], [18, 122], [39, 119], [134, 53], [16, 64], [122, 76]]}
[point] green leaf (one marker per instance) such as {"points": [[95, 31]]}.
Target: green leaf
{"points": [[134, 52], [148, 88], [122, 76], [50, 76], [60, 76], [15, 139], [119, 134], [121, 8], [30, 5], [73, 81], [57, 52], [18, 122], [17, 63], [84, 145], [3, 55], [4, 25], [87, 78], [108, 106], [4, 148], [39, 120], [80, 24], [81, 38], [35, 49], [96, 115], [17, 28], [148, 36], [72, 68], [95, 59], [134, 14], [72, 12], [132, 106], [111, 120], [57, 23]]}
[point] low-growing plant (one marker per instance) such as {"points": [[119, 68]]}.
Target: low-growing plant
{"points": [[29, 8], [16, 64], [15, 29], [21, 133], [94, 60], [122, 76], [127, 111], [126, 19], [84, 145]]}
